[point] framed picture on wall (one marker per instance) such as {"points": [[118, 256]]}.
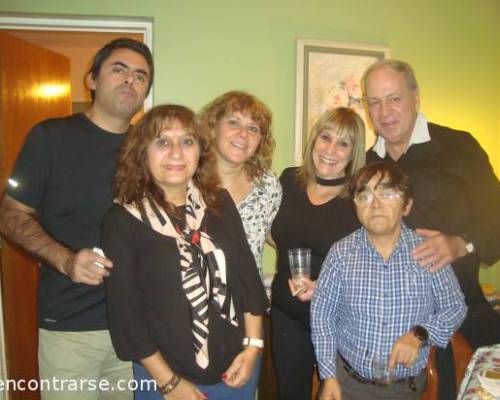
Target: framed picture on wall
{"points": [[328, 76]]}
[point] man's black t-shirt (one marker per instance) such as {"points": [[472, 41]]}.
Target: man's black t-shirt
{"points": [[65, 172]]}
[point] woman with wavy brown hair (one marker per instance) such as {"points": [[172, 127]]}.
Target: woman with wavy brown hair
{"points": [[185, 301], [240, 125]]}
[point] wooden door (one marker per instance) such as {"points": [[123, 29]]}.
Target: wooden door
{"points": [[34, 85]]}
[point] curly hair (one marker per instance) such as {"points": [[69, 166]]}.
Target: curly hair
{"points": [[134, 181], [345, 122], [230, 102]]}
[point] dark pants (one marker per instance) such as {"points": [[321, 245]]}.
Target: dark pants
{"points": [[355, 390], [293, 356]]}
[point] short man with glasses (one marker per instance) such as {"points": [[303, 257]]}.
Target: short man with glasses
{"points": [[374, 304]]}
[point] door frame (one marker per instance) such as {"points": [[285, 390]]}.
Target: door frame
{"points": [[82, 23], [62, 22]]}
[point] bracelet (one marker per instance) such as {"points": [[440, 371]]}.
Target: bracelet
{"points": [[170, 385]]}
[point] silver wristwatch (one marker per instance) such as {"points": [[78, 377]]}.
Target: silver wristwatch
{"points": [[469, 246]]}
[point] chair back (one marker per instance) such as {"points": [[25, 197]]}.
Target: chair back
{"points": [[462, 353]]}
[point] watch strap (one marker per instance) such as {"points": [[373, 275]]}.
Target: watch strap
{"points": [[254, 342], [420, 333]]}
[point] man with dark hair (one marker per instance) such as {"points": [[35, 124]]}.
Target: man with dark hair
{"points": [[57, 195], [376, 312], [122, 43], [457, 195]]}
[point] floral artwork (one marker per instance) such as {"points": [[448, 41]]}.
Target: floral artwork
{"points": [[334, 80], [328, 76]]}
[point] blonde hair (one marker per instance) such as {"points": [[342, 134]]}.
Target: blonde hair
{"points": [[345, 122]]}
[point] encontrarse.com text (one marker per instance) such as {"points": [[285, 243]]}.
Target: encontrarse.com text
{"points": [[74, 385]]}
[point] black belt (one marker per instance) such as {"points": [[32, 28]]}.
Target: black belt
{"points": [[354, 374]]}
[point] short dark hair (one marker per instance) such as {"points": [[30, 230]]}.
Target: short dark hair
{"points": [[121, 43], [397, 178]]}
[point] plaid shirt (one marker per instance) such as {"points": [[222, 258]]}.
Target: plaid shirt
{"points": [[363, 304]]}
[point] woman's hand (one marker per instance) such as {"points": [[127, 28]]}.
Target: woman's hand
{"points": [[160, 371], [241, 369], [185, 390], [304, 292]]}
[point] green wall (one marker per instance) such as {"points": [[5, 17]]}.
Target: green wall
{"points": [[202, 49]]}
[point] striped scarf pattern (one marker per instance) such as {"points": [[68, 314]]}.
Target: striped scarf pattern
{"points": [[202, 264]]}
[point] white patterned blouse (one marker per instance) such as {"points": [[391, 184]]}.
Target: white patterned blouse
{"points": [[258, 210]]}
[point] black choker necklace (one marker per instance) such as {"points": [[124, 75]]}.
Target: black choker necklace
{"points": [[331, 182]]}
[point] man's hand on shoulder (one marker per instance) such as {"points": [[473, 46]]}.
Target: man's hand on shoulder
{"points": [[438, 249]]}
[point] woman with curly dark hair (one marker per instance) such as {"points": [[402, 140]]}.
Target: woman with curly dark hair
{"points": [[185, 301]]}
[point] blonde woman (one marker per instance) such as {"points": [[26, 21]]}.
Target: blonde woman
{"points": [[314, 213]]}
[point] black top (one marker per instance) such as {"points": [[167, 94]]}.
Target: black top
{"points": [[65, 172], [299, 223], [457, 192], [147, 307]]}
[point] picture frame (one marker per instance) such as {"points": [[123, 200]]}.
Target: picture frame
{"points": [[328, 76]]}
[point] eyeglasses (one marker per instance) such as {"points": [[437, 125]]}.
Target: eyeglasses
{"points": [[367, 197]]}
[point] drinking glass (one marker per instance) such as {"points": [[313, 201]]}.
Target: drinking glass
{"points": [[380, 366], [300, 266]]}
